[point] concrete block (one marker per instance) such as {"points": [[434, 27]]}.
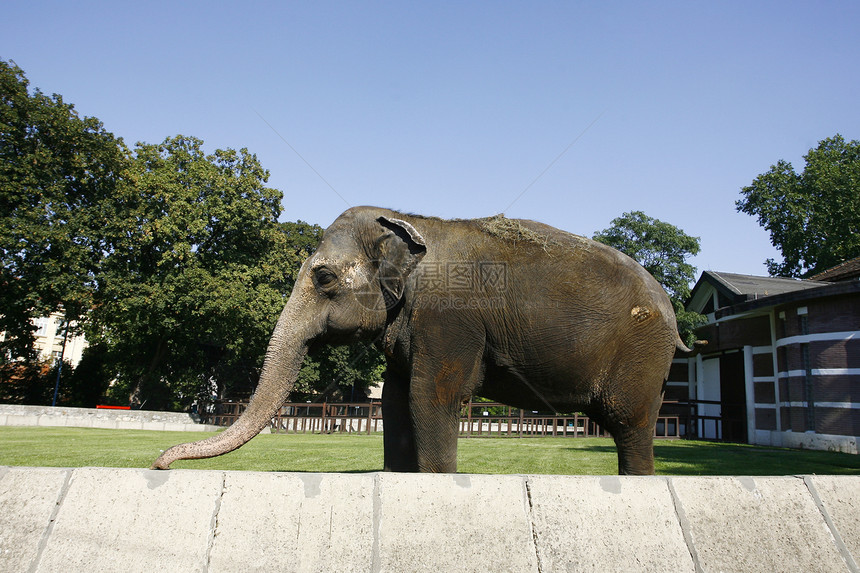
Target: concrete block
{"points": [[104, 519], [22, 420], [294, 522], [815, 441], [28, 498], [445, 522], [756, 524], [133, 520], [11, 414], [107, 424], [607, 524], [840, 496]]}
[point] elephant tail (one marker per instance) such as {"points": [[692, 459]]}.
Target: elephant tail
{"points": [[682, 348]]}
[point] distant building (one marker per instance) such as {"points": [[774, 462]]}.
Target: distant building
{"points": [[374, 393], [49, 340], [782, 363]]}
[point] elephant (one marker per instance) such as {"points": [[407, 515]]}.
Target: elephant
{"points": [[512, 310]]}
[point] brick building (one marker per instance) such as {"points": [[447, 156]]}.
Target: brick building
{"points": [[782, 364]]}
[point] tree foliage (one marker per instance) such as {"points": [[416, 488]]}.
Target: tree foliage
{"points": [[171, 260], [197, 272], [340, 373], [813, 217], [57, 171], [662, 249], [26, 383]]}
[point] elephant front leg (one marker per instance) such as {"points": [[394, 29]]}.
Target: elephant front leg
{"points": [[437, 390], [398, 438], [436, 432]]}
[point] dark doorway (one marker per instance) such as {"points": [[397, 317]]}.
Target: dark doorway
{"points": [[733, 400]]}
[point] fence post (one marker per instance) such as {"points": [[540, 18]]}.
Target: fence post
{"points": [[469, 420]]}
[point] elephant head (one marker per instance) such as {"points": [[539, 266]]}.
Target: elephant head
{"points": [[345, 291]]}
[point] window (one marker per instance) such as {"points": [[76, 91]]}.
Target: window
{"points": [[42, 325]]}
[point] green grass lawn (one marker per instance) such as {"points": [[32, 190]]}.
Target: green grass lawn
{"points": [[79, 447]]}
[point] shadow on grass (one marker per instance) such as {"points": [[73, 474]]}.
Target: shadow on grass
{"points": [[696, 458], [294, 471], [709, 458]]}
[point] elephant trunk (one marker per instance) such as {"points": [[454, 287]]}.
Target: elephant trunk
{"points": [[287, 348]]}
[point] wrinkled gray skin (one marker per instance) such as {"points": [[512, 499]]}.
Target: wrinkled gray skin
{"points": [[516, 311]]}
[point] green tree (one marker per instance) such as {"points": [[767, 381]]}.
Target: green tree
{"points": [[351, 369], [26, 383], [339, 373], [172, 261], [813, 217], [85, 385], [197, 272], [57, 172], [663, 250]]}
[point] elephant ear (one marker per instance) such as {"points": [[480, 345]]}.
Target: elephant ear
{"points": [[399, 250]]}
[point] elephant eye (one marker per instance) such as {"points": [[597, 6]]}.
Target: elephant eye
{"points": [[324, 277]]}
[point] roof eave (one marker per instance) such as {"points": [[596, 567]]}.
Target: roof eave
{"points": [[828, 289]]}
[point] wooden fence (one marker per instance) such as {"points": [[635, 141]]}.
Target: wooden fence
{"points": [[499, 420], [301, 417], [490, 419]]}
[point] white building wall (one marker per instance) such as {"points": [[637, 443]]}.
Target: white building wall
{"points": [[49, 340]]}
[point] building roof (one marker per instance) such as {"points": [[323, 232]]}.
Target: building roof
{"points": [[749, 287], [848, 270], [735, 294], [733, 288]]}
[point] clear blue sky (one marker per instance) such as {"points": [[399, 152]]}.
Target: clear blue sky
{"points": [[455, 108]]}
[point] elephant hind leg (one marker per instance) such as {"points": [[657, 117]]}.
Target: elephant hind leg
{"points": [[632, 411], [635, 450]]}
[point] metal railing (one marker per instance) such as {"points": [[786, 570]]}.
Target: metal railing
{"points": [[710, 427]]}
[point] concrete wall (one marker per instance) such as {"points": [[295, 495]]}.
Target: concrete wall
{"points": [[14, 415], [140, 520]]}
